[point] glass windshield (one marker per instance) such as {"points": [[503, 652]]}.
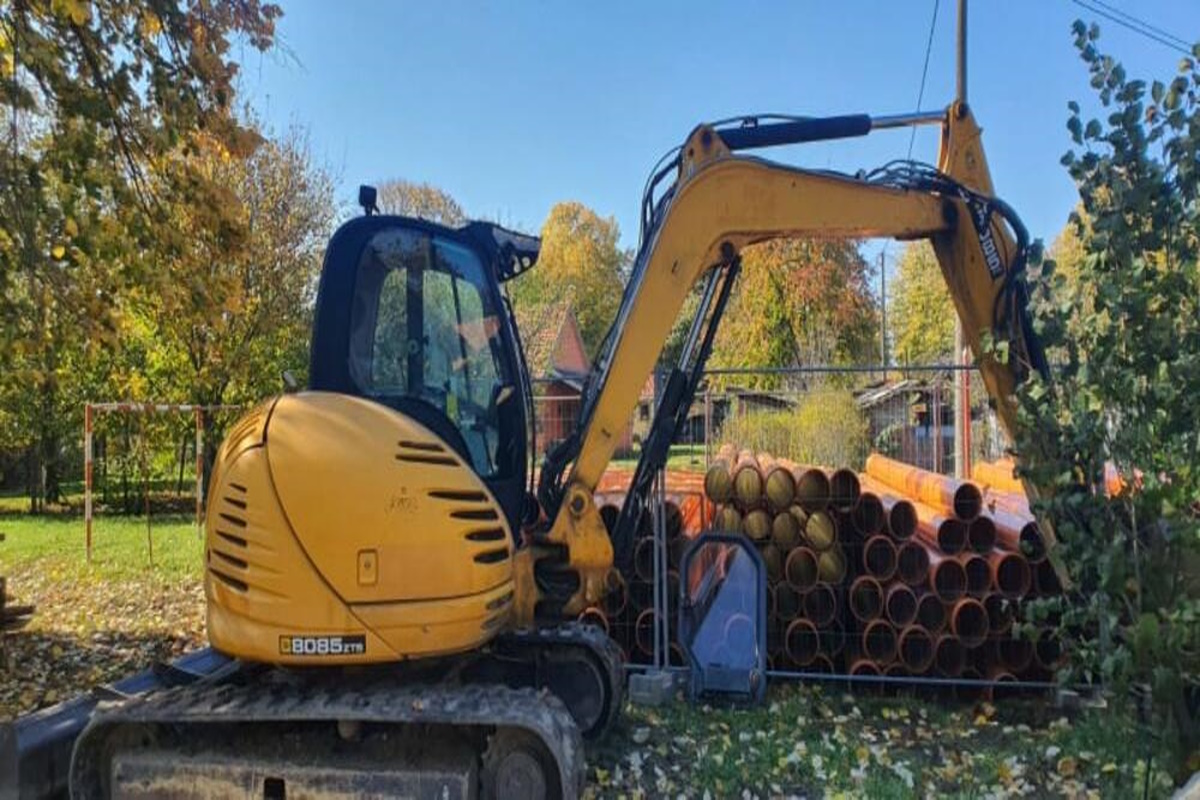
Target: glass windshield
{"points": [[423, 326]]}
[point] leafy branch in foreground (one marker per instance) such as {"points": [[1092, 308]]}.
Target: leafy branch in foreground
{"points": [[1125, 327]]}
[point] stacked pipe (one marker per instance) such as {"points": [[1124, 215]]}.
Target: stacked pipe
{"points": [[895, 571], [960, 576], [627, 613]]}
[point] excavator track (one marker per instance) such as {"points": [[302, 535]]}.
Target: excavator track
{"points": [[559, 653], [266, 739], [509, 721]]}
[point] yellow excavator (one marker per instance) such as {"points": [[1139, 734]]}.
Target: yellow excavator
{"points": [[387, 614]]}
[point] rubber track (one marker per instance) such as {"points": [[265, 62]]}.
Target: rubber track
{"points": [[597, 642], [484, 705]]}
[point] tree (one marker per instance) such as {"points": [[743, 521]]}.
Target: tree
{"points": [[922, 314], [1126, 329], [398, 196], [235, 306], [95, 92], [580, 255], [797, 302]]}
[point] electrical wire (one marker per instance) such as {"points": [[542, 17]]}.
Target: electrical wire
{"points": [[1137, 26], [924, 72], [1142, 23]]}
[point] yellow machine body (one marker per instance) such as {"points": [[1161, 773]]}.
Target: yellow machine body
{"points": [[340, 531]]}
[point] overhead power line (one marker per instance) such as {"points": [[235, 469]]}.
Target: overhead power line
{"points": [[1142, 23], [1136, 25], [924, 72]]}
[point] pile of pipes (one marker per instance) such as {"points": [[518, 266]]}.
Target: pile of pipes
{"points": [[628, 613], [896, 571]]}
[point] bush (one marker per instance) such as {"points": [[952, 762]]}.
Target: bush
{"points": [[825, 428], [1125, 327]]}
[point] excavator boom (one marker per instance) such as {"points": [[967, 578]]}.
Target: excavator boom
{"points": [[722, 202]]}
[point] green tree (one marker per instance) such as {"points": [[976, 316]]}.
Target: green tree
{"points": [[921, 317], [95, 92], [234, 309], [1126, 328], [580, 255], [423, 200], [797, 302]]}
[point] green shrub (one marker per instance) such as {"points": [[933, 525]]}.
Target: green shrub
{"points": [[825, 428]]}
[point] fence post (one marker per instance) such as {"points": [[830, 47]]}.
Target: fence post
{"points": [[87, 477], [199, 416], [707, 428]]}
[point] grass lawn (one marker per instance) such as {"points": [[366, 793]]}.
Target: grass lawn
{"points": [[98, 622], [682, 458], [95, 622]]}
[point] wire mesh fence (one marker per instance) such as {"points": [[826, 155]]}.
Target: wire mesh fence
{"points": [[816, 415], [833, 417]]}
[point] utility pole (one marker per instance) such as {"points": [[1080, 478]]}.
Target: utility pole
{"points": [[883, 352], [961, 420]]}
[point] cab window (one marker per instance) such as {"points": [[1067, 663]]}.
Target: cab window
{"points": [[423, 327]]}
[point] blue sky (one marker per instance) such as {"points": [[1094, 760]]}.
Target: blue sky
{"points": [[514, 106]]}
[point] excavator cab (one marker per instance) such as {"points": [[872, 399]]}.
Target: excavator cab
{"points": [[410, 315]]}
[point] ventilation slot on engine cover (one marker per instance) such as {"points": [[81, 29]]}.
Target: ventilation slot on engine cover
{"points": [[231, 560], [486, 535], [229, 580], [415, 458], [429, 447], [475, 513], [459, 496], [492, 556], [236, 540], [235, 503], [232, 520]]}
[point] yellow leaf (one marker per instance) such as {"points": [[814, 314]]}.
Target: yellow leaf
{"points": [[80, 12], [1066, 766], [863, 754], [1109, 767], [70, 227], [151, 25], [58, 251]]}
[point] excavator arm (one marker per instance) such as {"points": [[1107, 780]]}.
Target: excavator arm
{"points": [[721, 202]]}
